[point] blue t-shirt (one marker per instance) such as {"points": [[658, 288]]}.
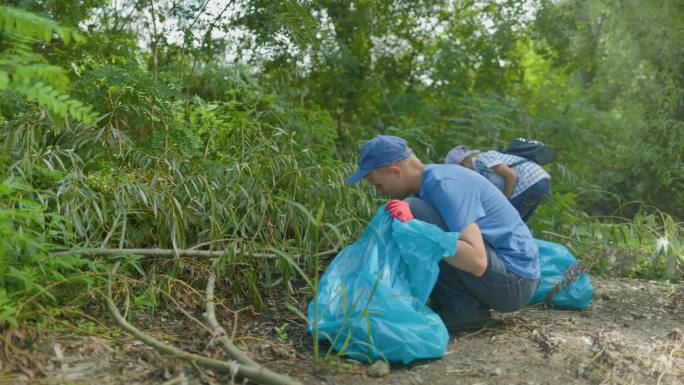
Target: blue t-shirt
{"points": [[462, 196]]}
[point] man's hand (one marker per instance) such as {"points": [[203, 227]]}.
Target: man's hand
{"points": [[399, 209]]}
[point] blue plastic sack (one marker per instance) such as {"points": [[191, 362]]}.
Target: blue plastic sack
{"points": [[371, 301], [572, 289]]}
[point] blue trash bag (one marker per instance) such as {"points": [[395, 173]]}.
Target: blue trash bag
{"points": [[569, 288], [371, 301]]}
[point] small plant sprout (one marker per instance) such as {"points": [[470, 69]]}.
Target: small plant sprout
{"points": [[281, 332]]}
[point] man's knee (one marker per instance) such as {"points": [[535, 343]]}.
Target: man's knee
{"points": [[425, 212]]}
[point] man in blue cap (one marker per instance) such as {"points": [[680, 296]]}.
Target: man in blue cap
{"points": [[496, 265]]}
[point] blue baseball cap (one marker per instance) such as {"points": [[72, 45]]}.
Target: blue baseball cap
{"points": [[377, 152]]}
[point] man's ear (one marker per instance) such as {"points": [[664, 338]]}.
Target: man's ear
{"points": [[395, 170]]}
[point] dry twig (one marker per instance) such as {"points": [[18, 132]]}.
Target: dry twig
{"points": [[255, 373]]}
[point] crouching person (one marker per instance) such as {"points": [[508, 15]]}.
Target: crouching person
{"points": [[496, 265]]}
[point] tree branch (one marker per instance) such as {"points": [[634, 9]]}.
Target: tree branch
{"points": [[218, 331], [171, 253], [256, 373]]}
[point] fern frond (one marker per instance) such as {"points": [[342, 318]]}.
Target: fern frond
{"points": [[55, 101], [53, 75], [31, 67], [28, 73], [26, 24]]}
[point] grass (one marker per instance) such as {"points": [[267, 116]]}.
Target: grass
{"points": [[67, 189], [275, 200], [648, 244]]}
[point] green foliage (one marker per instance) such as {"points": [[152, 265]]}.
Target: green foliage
{"points": [[29, 25], [647, 245], [28, 274], [26, 72], [631, 78], [213, 173]]}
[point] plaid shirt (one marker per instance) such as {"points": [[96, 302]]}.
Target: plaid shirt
{"points": [[529, 172]]}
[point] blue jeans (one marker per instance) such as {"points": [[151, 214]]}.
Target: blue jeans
{"points": [[462, 299], [527, 201]]}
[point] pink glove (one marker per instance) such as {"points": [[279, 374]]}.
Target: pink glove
{"points": [[399, 209]]}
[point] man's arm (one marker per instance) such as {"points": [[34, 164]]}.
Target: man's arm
{"points": [[510, 177], [471, 255]]}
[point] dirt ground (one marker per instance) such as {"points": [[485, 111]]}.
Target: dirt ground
{"points": [[631, 334]]}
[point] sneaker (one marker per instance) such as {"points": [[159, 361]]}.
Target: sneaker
{"points": [[457, 320]]}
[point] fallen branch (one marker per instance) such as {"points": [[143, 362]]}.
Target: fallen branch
{"points": [[172, 252], [254, 373], [220, 333]]}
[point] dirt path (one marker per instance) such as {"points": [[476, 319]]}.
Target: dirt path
{"points": [[632, 334]]}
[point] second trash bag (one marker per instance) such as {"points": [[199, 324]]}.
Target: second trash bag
{"points": [[371, 301], [562, 285]]}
